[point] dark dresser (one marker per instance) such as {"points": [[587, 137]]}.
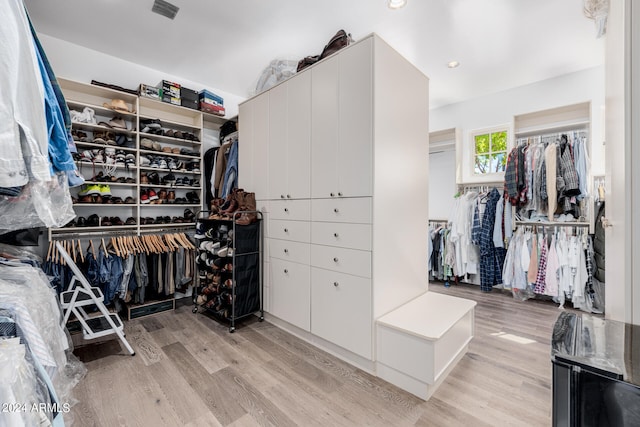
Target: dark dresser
{"points": [[596, 372]]}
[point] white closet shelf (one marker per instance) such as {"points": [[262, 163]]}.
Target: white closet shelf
{"points": [[92, 127], [103, 146], [99, 109], [162, 153], [146, 168], [172, 187]]}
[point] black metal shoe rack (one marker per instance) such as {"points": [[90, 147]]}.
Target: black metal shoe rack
{"points": [[229, 294]]}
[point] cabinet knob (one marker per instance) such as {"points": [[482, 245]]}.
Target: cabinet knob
{"points": [[286, 209], [335, 260], [286, 230], [286, 271], [286, 251], [335, 235], [282, 196], [332, 195], [336, 210], [335, 284], [288, 196], [340, 194]]}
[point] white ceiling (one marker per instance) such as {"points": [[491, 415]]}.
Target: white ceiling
{"points": [[226, 44]]}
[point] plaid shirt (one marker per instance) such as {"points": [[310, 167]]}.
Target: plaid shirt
{"points": [[491, 258], [542, 268], [511, 177]]}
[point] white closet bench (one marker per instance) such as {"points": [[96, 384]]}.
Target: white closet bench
{"points": [[419, 342]]}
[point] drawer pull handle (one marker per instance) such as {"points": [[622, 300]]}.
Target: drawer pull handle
{"points": [[286, 271], [340, 194], [335, 235], [335, 284], [336, 210], [286, 251], [335, 260], [286, 209], [332, 195], [286, 230], [282, 196], [288, 196]]}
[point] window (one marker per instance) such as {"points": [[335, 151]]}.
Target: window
{"points": [[490, 155]]}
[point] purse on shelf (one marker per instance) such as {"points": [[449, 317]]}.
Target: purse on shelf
{"points": [[338, 41]]}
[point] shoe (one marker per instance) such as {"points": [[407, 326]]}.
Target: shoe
{"points": [[105, 191], [154, 163], [193, 197], [156, 146], [169, 179], [93, 220], [130, 221], [129, 200], [85, 199], [152, 194], [116, 200], [162, 195], [143, 178], [144, 197], [188, 214], [146, 144], [172, 165], [90, 190], [171, 196], [144, 161], [82, 222], [153, 178], [116, 221], [106, 221], [162, 164]]}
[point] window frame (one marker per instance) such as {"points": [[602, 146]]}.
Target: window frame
{"points": [[472, 140]]}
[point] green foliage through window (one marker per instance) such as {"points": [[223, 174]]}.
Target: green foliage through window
{"points": [[490, 152]]}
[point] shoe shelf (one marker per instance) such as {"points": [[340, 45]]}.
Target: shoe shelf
{"points": [[169, 139], [229, 286], [91, 127], [191, 123], [80, 163], [103, 146], [171, 187], [162, 153], [112, 184]]}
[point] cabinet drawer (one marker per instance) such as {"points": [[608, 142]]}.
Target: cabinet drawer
{"points": [[290, 292], [298, 231], [299, 210], [356, 210], [350, 261], [351, 236], [290, 251], [341, 310]]}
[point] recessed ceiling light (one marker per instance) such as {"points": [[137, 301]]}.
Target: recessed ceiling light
{"points": [[453, 64], [396, 4]]}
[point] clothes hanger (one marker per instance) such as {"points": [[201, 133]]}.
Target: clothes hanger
{"points": [[104, 247], [49, 251]]}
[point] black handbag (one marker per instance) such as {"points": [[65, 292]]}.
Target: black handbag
{"points": [[306, 61]]}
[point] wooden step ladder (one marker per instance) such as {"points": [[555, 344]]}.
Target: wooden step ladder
{"points": [[80, 294]]}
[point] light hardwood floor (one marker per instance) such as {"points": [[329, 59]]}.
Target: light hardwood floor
{"points": [[190, 371]]}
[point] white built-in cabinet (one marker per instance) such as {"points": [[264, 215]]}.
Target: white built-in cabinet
{"points": [[344, 193]]}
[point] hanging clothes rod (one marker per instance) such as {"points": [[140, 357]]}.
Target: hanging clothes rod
{"points": [[92, 234], [553, 224]]}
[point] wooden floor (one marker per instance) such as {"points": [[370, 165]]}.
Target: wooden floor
{"points": [[190, 371]]}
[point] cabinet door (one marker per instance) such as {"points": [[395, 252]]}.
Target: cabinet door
{"points": [[278, 142], [324, 128], [341, 310], [355, 147], [253, 152], [299, 136], [290, 292]]}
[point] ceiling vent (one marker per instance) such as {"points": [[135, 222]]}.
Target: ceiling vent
{"points": [[165, 9]]}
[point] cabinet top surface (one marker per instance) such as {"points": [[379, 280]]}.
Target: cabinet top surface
{"points": [[428, 316]]}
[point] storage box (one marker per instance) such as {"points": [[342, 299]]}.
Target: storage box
{"points": [[150, 92], [210, 98], [212, 109], [189, 103], [170, 88], [175, 100], [189, 94]]}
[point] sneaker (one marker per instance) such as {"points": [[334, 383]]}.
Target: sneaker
{"points": [[144, 161], [172, 164], [153, 178], [169, 179], [199, 231], [152, 194], [144, 197], [162, 164], [105, 190], [89, 190]]}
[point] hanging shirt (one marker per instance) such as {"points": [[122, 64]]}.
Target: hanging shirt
{"points": [[551, 273]]}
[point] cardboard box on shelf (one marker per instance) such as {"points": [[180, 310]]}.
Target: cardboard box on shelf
{"points": [[210, 98], [189, 103], [212, 109], [150, 91], [170, 88], [175, 100], [189, 94]]}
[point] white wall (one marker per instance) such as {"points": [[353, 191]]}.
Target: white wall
{"points": [[75, 62], [442, 183], [500, 108]]}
